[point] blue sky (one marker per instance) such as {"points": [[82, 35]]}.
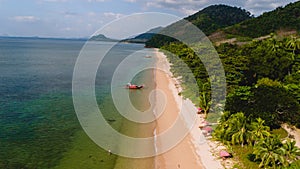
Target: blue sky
{"points": [[81, 18]]}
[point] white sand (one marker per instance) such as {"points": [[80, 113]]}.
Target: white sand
{"points": [[200, 146], [294, 132]]}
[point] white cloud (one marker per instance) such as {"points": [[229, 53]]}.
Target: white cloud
{"points": [[257, 7], [25, 18], [185, 7], [113, 15], [188, 11]]}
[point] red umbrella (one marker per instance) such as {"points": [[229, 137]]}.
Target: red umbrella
{"points": [[208, 129], [224, 153]]}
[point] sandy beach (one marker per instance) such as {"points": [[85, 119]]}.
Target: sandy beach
{"points": [[193, 151]]}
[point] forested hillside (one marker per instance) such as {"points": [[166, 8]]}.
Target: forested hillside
{"points": [[208, 20], [215, 17], [282, 18]]}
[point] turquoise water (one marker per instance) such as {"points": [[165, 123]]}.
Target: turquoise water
{"points": [[38, 124]]}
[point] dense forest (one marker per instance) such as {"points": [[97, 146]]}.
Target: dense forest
{"points": [[263, 88], [215, 17], [283, 18], [208, 20]]}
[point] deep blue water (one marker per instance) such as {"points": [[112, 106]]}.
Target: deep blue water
{"points": [[37, 118]]}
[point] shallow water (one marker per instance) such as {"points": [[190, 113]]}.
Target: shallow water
{"points": [[38, 124]]}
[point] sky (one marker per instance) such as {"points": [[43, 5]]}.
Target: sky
{"points": [[81, 18]]}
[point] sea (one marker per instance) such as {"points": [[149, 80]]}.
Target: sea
{"points": [[39, 128]]}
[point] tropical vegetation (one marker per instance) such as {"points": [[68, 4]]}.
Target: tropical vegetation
{"points": [[263, 84]]}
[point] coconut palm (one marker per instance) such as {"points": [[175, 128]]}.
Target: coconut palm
{"points": [[258, 131], [225, 129], [205, 102], [241, 135], [271, 152], [273, 43], [293, 44], [291, 151], [234, 130]]}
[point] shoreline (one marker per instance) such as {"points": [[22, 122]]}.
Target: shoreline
{"points": [[172, 158], [196, 149]]}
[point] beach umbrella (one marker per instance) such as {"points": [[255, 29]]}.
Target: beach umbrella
{"points": [[199, 110], [224, 153], [207, 129]]}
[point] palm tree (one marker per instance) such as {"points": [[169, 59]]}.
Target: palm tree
{"points": [[258, 131], [220, 132], [291, 151], [225, 116], [205, 102], [271, 152], [189, 53], [273, 43], [293, 44], [225, 129], [241, 135], [234, 130]]}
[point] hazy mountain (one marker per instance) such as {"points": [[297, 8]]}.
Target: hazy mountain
{"points": [[101, 37]]}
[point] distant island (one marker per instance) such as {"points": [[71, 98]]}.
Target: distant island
{"points": [[141, 38], [101, 37]]}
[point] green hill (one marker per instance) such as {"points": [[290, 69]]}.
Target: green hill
{"points": [[281, 19], [208, 20], [215, 17]]}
